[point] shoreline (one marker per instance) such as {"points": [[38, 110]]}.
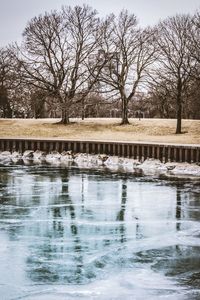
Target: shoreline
{"points": [[95, 161]]}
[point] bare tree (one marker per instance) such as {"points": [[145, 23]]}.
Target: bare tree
{"points": [[5, 82], [129, 52], [9, 81], [175, 64], [55, 54]]}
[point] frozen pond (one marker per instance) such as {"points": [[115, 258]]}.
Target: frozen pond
{"points": [[69, 234]]}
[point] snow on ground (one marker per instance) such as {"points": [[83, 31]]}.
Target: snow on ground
{"points": [[113, 163]]}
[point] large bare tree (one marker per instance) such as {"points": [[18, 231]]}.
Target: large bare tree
{"points": [[129, 52], [55, 54], [175, 63]]}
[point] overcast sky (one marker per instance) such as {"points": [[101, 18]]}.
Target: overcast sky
{"points": [[14, 14]]}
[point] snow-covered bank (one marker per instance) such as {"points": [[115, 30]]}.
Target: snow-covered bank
{"points": [[113, 163]]}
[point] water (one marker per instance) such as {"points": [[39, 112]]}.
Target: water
{"points": [[75, 234]]}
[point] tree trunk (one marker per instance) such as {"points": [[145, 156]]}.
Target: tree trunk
{"points": [[83, 110], [179, 119], [124, 111], [179, 108], [65, 116]]}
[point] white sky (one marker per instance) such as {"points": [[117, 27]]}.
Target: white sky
{"points": [[14, 14]]}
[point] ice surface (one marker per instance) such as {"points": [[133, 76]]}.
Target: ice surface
{"points": [[67, 233]]}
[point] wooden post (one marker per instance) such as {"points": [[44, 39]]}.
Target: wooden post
{"points": [[103, 148], [93, 148], [192, 155], [180, 154], [122, 150], [128, 150], [164, 154], [13, 145], [148, 151], [87, 148], [38, 147], [98, 148], [175, 154], [158, 152], [197, 156], [142, 157], [20, 147], [138, 152], [169, 154], [186, 155]]}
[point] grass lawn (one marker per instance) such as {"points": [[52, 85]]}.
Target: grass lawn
{"points": [[145, 130]]}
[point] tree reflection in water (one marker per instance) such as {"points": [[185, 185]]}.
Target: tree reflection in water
{"points": [[74, 226], [121, 214], [178, 207]]}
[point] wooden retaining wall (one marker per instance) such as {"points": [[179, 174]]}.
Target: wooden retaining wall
{"points": [[136, 150]]}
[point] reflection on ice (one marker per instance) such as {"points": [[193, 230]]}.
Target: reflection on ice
{"points": [[70, 234]]}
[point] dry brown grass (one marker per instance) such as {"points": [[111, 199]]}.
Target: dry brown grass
{"points": [[145, 130]]}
